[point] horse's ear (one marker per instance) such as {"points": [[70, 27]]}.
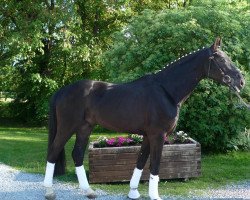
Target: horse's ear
{"points": [[217, 44]]}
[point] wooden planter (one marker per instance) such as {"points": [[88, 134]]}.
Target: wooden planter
{"points": [[116, 164]]}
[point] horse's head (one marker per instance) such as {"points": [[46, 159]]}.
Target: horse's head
{"points": [[222, 70]]}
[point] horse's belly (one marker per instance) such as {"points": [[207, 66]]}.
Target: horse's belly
{"points": [[120, 121], [121, 124]]}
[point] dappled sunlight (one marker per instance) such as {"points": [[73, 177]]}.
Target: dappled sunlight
{"points": [[23, 134], [22, 138]]}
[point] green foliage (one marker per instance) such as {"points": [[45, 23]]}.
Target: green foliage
{"points": [[212, 117], [4, 110], [102, 142], [155, 38], [48, 44], [136, 138], [33, 97], [242, 141]]}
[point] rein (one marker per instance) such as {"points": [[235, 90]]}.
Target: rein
{"points": [[228, 80], [242, 101]]}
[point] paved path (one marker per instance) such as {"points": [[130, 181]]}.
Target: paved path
{"points": [[16, 185]]}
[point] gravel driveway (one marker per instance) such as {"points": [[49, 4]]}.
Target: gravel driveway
{"points": [[16, 185]]}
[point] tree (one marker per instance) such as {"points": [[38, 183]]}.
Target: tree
{"points": [[47, 44], [29, 34]]}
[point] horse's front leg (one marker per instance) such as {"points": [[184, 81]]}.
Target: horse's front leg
{"points": [[156, 146], [141, 161]]}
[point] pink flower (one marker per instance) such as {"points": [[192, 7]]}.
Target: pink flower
{"points": [[111, 141], [118, 141], [121, 139], [129, 140]]}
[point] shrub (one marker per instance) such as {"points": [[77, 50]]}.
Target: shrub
{"points": [[5, 110], [242, 141], [212, 117]]}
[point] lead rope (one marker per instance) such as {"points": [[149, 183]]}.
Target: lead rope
{"points": [[242, 101]]}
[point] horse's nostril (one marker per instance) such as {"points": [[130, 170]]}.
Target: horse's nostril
{"points": [[241, 83]]}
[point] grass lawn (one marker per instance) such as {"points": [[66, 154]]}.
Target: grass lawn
{"points": [[25, 149]]}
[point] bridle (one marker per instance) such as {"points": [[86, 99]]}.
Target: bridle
{"points": [[226, 79]]}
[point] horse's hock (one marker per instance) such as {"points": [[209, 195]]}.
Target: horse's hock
{"points": [[116, 164]]}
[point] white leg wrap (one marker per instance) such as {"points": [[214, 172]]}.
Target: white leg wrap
{"points": [[48, 180], [134, 182], [83, 182], [82, 178], [153, 187]]}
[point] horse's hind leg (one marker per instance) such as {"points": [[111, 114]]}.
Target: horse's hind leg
{"points": [[82, 138], [141, 161], [48, 181], [63, 135]]}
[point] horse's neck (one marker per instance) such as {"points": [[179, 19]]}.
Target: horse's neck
{"points": [[180, 80]]}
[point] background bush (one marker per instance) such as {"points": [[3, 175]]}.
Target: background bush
{"points": [[212, 114]]}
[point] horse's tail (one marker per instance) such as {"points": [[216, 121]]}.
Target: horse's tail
{"points": [[60, 165]]}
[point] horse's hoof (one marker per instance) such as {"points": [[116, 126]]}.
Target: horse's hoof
{"points": [[50, 194], [92, 196], [90, 193], [133, 194]]}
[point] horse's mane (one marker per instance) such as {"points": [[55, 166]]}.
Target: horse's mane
{"points": [[181, 60]]}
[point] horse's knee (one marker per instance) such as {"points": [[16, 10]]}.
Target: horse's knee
{"points": [[77, 155]]}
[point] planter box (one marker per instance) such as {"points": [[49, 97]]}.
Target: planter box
{"points": [[116, 164]]}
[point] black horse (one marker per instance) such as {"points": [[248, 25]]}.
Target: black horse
{"points": [[148, 106]]}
